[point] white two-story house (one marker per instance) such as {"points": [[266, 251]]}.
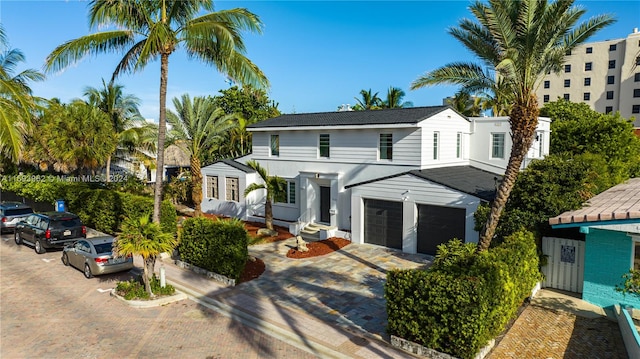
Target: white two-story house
{"points": [[408, 178]]}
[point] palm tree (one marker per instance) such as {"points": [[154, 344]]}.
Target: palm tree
{"points": [[369, 101], [465, 104], [521, 40], [146, 30], [197, 128], [16, 102], [394, 99], [135, 137], [142, 237], [275, 187]]}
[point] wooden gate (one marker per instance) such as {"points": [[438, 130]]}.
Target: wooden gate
{"points": [[565, 264]]}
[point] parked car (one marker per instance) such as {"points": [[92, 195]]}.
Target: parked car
{"points": [[11, 213], [49, 230], [94, 256]]}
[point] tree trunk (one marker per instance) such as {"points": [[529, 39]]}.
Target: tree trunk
{"points": [[523, 121], [268, 214], [146, 275], [162, 129], [108, 171], [196, 182]]}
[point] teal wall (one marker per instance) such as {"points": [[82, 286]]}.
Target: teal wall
{"points": [[607, 258]]}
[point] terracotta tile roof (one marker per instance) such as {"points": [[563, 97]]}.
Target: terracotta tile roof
{"points": [[621, 202]]}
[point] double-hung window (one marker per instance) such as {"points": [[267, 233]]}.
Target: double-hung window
{"points": [[275, 145], [386, 146], [459, 145], [324, 145], [497, 145], [436, 144]]}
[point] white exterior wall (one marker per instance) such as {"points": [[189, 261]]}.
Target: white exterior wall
{"points": [[253, 202], [448, 124], [482, 129], [421, 192]]}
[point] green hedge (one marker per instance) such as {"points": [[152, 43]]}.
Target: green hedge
{"points": [[218, 246], [101, 209], [465, 299]]}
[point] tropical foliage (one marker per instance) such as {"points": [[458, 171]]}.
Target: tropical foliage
{"points": [[148, 30], [16, 103], [394, 98], [275, 187], [466, 104], [368, 101], [198, 127], [141, 237], [520, 41]]}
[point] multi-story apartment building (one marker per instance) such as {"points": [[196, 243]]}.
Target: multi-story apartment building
{"points": [[604, 74]]}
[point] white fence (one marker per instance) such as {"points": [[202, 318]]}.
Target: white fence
{"points": [[565, 264]]}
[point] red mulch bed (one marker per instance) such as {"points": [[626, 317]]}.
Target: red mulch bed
{"points": [[319, 248], [252, 270], [253, 227]]}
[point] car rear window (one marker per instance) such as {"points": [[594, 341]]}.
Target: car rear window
{"points": [[17, 212], [103, 248], [65, 223]]}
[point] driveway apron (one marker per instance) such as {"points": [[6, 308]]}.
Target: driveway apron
{"points": [[345, 287]]}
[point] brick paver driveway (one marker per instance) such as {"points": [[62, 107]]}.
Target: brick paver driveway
{"points": [[48, 310]]}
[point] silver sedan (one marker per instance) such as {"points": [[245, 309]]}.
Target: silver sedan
{"points": [[94, 256]]}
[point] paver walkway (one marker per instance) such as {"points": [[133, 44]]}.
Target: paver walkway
{"points": [[345, 287]]}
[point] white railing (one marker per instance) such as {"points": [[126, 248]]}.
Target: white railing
{"points": [[301, 222]]}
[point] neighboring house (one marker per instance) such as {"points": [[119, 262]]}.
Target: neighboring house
{"points": [[611, 224], [603, 74], [176, 161], [366, 173]]}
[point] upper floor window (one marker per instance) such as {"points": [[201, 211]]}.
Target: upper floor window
{"points": [[613, 47], [636, 92], [567, 83], [436, 144], [540, 138], [275, 145], [612, 64], [608, 109], [586, 96], [545, 98], [611, 80], [458, 144], [636, 77], [212, 186], [638, 61], [589, 50], [567, 68], [588, 66], [233, 193], [609, 95], [568, 52], [635, 109], [325, 143], [288, 195], [566, 96], [587, 81], [497, 145], [547, 83], [386, 146]]}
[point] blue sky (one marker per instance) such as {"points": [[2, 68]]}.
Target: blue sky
{"points": [[317, 55]]}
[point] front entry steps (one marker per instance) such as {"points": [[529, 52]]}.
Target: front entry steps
{"points": [[315, 231]]}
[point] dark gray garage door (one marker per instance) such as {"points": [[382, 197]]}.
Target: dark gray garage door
{"points": [[437, 225], [383, 223]]}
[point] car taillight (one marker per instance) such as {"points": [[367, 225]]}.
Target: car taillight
{"points": [[84, 230], [47, 234], [102, 260], [4, 219]]}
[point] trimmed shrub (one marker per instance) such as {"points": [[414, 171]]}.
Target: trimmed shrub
{"points": [[465, 299], [168, 217], [218, 246]]}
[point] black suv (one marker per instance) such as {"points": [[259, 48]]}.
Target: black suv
{"points": [[12, 213], [49, 230]]}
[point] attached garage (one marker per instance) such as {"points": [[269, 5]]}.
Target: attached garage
{"points": [[383, 223], [437, 225]]}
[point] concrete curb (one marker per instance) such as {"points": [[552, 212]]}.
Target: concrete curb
{"points": [[178, 296]]}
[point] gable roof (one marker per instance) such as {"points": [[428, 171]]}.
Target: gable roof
{"points": [[235, 164], [411, 115], [618, 204], [466, 179]]}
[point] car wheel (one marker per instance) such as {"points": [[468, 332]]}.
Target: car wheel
{"points": [[17, 238], [39, 248], [87, 271], [65, 258]]}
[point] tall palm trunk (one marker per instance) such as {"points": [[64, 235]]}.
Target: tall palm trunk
{"points": [[523, 120], [268, 214], [147, 272], [196, 182], [108, 171], [162, 129]]}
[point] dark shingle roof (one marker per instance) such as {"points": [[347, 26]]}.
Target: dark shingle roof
{"points": [[466, 179], [410, 115]]}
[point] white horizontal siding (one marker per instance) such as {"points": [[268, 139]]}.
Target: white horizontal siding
{"points": [[448, 124]]}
